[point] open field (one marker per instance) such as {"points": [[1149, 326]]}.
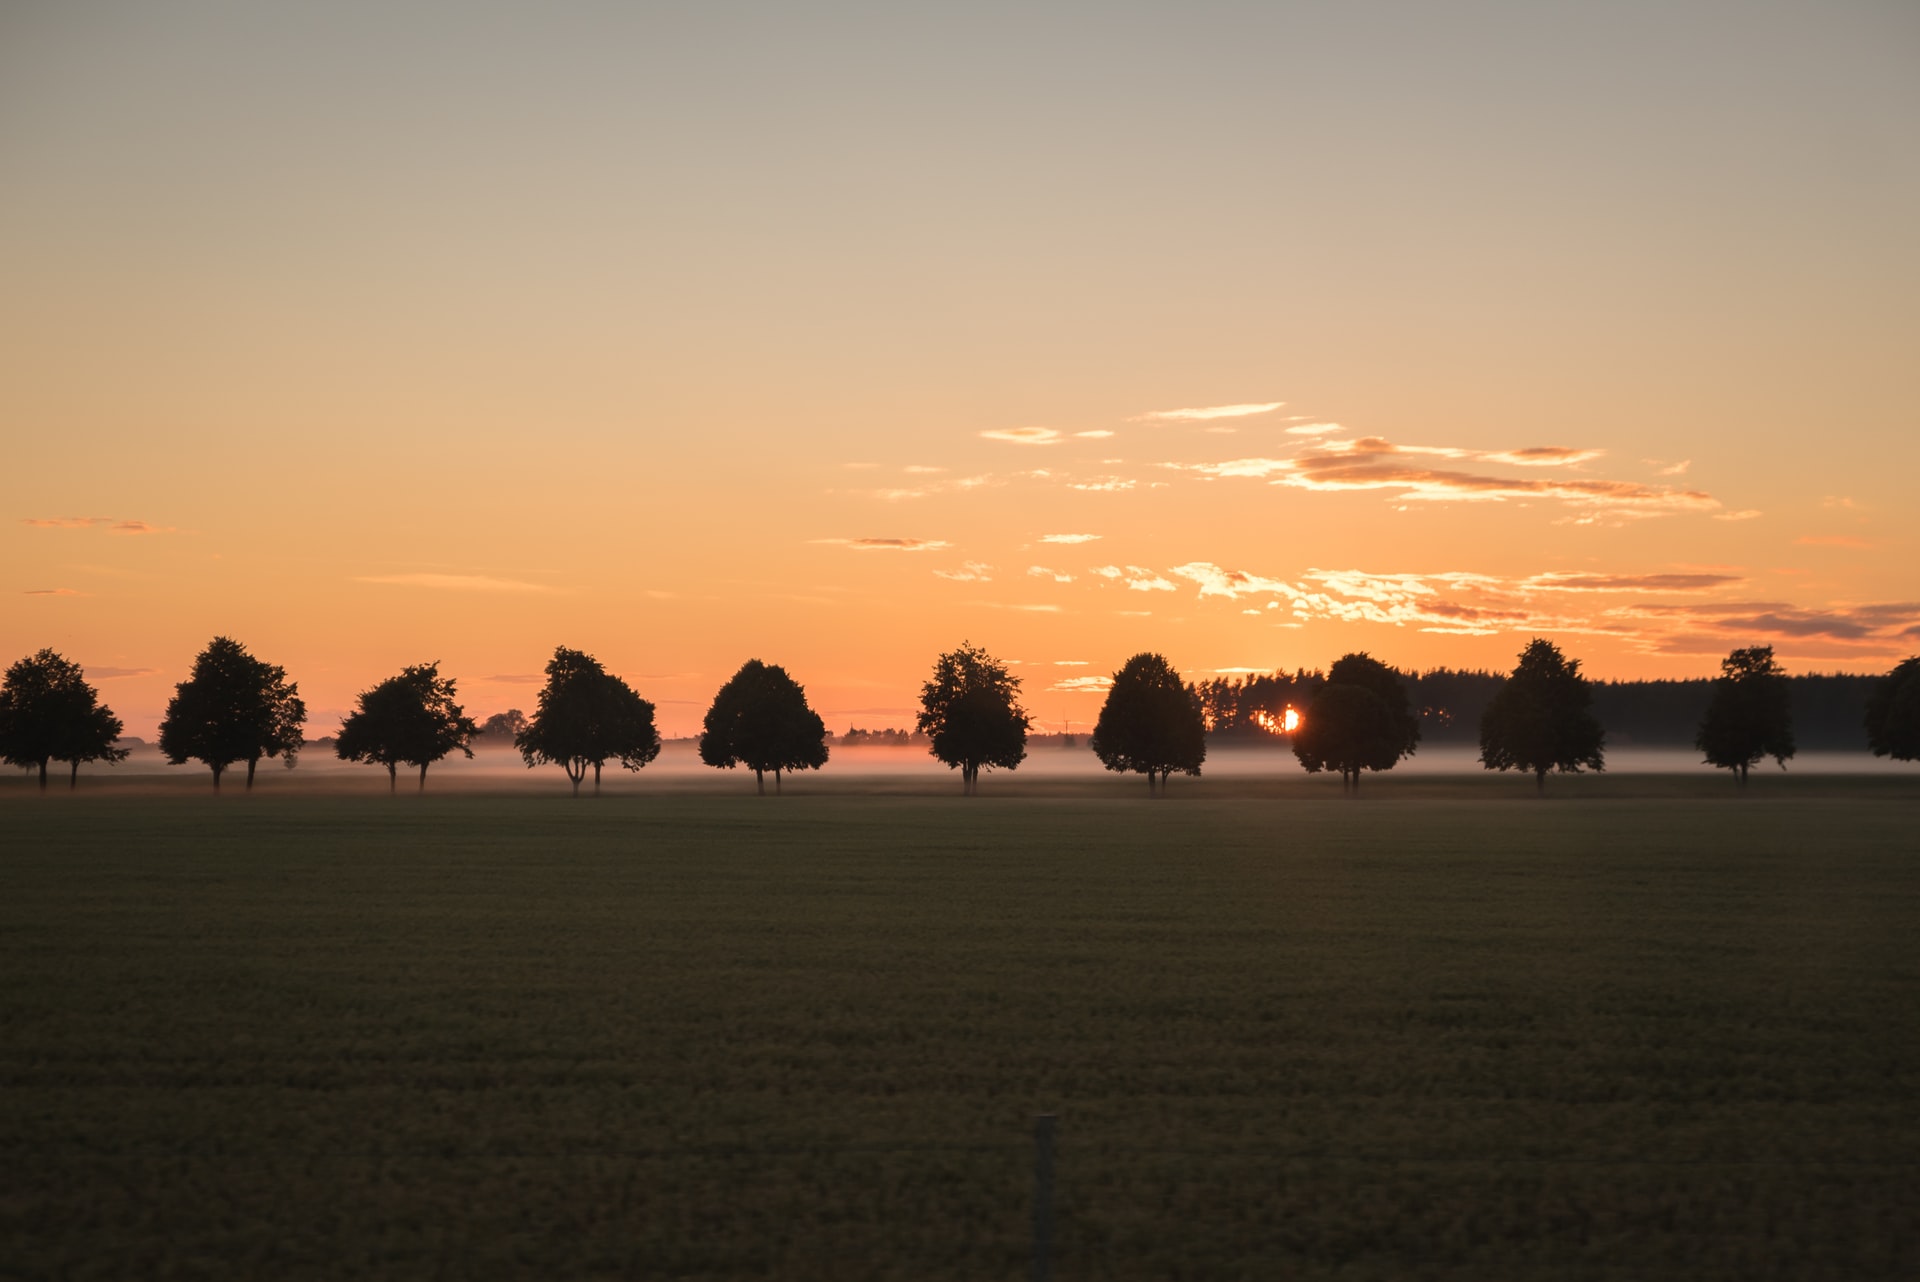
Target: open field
{"points": [[1642, 1030]]}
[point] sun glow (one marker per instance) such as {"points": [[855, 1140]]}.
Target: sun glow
{"points": [[1286, 723]]}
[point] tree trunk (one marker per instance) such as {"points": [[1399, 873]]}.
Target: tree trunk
{"points": [[776, 781], [760, 781], [73, 779], [596, 778], [251, 763], [393, 777], [423, 778], [1743, 776], [576, 780], [43, 774], [216, 776]]}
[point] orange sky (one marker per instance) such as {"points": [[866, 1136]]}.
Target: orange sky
{"points": [[457, 333]]}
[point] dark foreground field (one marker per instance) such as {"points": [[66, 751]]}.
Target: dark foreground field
{"points": [[706, 1036]]}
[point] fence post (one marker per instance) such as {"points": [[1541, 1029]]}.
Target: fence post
{"points": [[1042, 1197]]}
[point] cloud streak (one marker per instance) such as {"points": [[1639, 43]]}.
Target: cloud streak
{"points": [[452, 582], [112, 524], [889, 545], [1204, 413], [1023, 435]]}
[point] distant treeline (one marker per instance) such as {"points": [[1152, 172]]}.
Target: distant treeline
{"points": [[1828, 709]]}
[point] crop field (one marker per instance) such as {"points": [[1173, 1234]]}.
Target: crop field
{"points": [[1630, 1032]]}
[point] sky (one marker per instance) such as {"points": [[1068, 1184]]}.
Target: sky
{"points": [[836, 334]]}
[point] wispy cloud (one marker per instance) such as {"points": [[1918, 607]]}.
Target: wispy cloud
{"points": [[1663, 468], [918, 469], [453, 582], [1095, 434], [1257, 468], [1077, 685], [1314, 429], [1042, 572], [1137, 578], [116, 674], [1745, 514], [1373, 463], [1558, 582], [1023, 435], [889, 545], [53, 592], [1874, 626], [956, 485], [969, 572], [1832, 541], [112, 524], [515, 678], [1104, 484], [1231, 584], [1068, 538], [1205, 412], [1542, 456]]}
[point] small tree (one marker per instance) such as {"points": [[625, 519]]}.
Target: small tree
{"points": [[760, 720], [1893, 713], [49, 713], [585, 718], [1152, 723], [503, 727], [1359, 720], [232, 707], [971, 715], [1749, 716], [411, 718], [1538, 720]]}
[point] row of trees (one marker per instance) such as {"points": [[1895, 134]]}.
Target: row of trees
{"points": [[236, 708]]}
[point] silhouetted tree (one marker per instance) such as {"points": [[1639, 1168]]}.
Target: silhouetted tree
{"points": [[1749, 716], [232, 707], [1893, 713], [587, 717], [1540, 721], [504, 727], [1152, 723], [411, 718], [971, 714], [49, 713], [760, 720], [1359, 720]]}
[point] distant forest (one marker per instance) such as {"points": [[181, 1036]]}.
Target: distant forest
{"points": [[1828, 710]]}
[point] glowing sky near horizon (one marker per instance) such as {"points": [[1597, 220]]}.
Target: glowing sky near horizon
{"points": [[836, 334]]}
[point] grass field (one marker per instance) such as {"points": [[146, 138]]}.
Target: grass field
{"points": [[1606, 1036]]}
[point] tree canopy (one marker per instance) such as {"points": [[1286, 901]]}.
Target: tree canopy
{"points": [[504, 725], [1893, 713], [587, 717], [48, 712], [1540, 719], [1359, 720], [1749, 716], [760, 720], [1152, 722], [971, 714], [409, 719], [232, 707]]}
